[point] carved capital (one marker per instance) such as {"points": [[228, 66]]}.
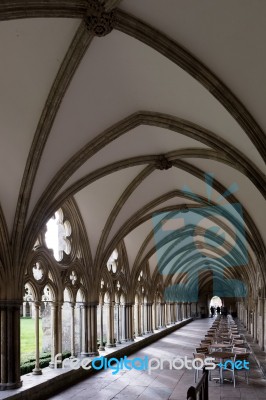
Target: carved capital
{"points": [[163, 163], [99, 21]]}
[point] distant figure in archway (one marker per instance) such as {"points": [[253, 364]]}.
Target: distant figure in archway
{"points": [[218, 310], [212, 311]]}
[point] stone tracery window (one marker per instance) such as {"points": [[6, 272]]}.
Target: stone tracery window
{"points": [[112, 262], [57, 235], [37, 271], [140, 275]]}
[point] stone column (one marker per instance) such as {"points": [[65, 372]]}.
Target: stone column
{"points": [[56, 335], [154, 316], [163, 315], [145, 316], [159, 315], [129, 323], [183, 310], [172, 313], [84, 330], [180, 311], [124, 324], [142, 319], [101, 348], [59, 327], [255, 322], [72, 305], [149, 318], [137, 320], [176, 312], [37, 370], [118, 323], [168, 313], [92, 330], [189, 312], [24, 309], [263, 323], [10, 344]]}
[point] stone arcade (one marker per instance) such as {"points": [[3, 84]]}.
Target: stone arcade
{"points": [[118, 119]]}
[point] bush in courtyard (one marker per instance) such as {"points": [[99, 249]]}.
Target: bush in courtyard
{"points": [[45, 359]]}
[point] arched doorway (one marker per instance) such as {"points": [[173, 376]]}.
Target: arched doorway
{"points": [[216, 302]]}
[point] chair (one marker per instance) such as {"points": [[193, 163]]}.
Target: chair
{"points": [[237, 341], [202, 349], [236, 349], [206, 341], [238, 357], [198, 356]]}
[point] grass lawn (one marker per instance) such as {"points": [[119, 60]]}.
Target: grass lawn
{"points": [[27, 337]]}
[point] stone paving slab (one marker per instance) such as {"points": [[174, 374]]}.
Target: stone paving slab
{"points": [[166, 383]]}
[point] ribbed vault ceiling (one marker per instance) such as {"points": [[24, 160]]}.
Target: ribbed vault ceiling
{"points": [[90, 117]]}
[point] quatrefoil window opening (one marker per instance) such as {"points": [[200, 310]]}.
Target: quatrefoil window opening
{"points": [[37, 271], [57, 235], [73, 277]]}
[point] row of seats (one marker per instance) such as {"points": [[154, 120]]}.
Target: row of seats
{"points": [[224, 336]]}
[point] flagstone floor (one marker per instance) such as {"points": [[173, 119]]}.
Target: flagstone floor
{"points": [[166, 384]]}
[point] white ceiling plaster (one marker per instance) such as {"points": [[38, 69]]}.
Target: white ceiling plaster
{"points": [[141, 141], [137, 78], [135, 239], [155, 185], [96, 201], [247, 194], [172, 202], [118, 76], [31, 53], [227, 36]]}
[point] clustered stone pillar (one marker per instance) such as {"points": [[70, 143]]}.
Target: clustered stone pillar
{"points": [[142, 318], [159, 315], [37, 370], [189, 310], [129, 323], [123, 338], [101, 348], [145, 318], [137, 310], [172, 308], [163, 314], [176, 312], [84, 330], [149, 318], [154, 316], [56, 333], [180, 311], [110, 325], [72, 305], [10, 344], [183, 311], [118, 323], [92, 330]]}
